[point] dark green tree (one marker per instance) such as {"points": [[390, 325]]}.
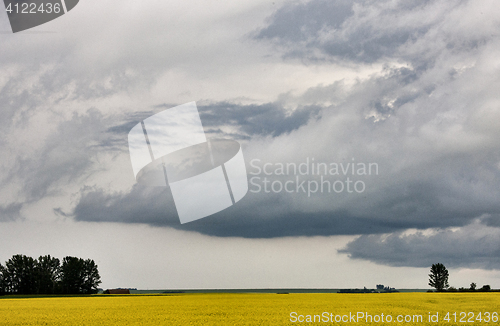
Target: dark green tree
{"points": [[48, 272], [20, 275], [25, 275], [2, 282], [79, 276], [485, 288], [72, 279], [438, 278], [473, 286], [92, 279]]}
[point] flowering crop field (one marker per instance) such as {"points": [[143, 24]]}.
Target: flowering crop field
{"points": [[254, 309]]}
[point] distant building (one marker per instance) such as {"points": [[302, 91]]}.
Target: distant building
{"points": [[117, 291]]}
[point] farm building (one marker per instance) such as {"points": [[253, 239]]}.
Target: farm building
{"points": [[117, 291]]}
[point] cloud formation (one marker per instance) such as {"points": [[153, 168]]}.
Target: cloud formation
{"points": [[10, 212], [427, 115], [367, 31], [427, 119], [473, 246]]}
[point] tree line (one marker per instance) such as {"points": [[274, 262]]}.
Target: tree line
{"points": [[438, 279], [47, 275]]}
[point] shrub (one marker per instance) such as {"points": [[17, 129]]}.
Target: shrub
{"points": [[485, 288]]}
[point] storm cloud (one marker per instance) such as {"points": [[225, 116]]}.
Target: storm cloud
{"points": [[423, 106], [367, 31], [472, 246]]}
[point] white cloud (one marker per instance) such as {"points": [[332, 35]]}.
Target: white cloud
{"points": [[410, 87]]}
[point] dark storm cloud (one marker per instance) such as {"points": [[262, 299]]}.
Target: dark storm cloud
{"points": [[473, 246], [150, 205], [359, 31], [69, 153], [245, 121], [429, 189], [492, 220], [399, 205], [268, 119], [155, 206], [439, 165], [115, 135]]}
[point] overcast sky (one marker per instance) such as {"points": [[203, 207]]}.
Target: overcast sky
{"points": [[408, 87]]}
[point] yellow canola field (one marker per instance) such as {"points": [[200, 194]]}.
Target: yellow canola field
{"points": [[252, 309]]}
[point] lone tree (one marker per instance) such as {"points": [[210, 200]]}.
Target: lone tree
{"points": [[438, 278]]}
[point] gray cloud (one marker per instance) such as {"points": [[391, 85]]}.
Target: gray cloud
{"points": [[429, 118], [155, 206], [472, 246], [226, 119], [433, 135], [361, 31], [66, 156], [255, 120], [433, 190], [95, 205], [398, 205], [298, 22], [10, 212]]}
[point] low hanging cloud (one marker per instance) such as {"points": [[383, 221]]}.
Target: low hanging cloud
{"points": [[473, 246], [155, 206]]}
